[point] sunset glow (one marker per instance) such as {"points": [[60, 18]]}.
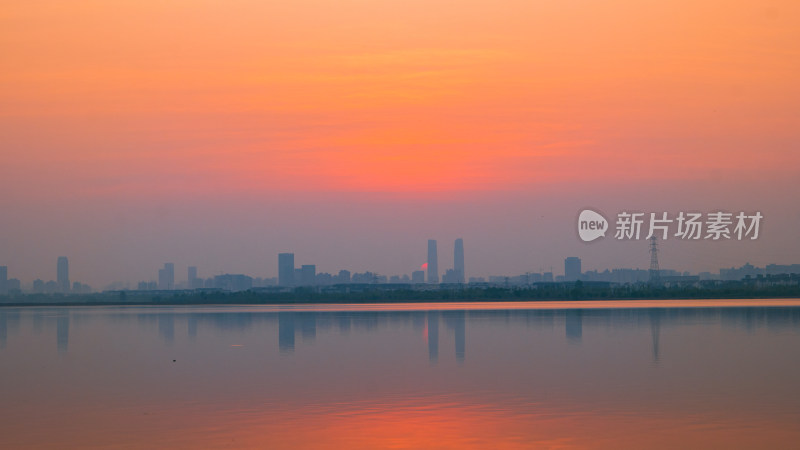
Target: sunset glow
{"points": [[378, 96]]}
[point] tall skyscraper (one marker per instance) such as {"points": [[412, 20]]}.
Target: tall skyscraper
{"points": [[572, 268], [286, 269], [63, 274], [433, 262], [3, 280], [192, 279], [166, 277], [458, 260], [170, 269]]}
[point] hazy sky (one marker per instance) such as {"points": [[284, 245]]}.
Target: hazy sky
{"points": [[218, 134]]}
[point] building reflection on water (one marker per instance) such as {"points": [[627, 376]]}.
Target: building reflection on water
{"points": [[286, 332], [433, 336], [166, 327], [655, 330], [62, 333], [309, 324], [3, 329], [457, 322], [573, 325]]}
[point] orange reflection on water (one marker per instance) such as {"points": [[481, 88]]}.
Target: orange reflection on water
{"points": [[445, 423], [455, 424], [408, 425]]}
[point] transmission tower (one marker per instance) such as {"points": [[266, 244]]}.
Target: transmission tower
{"points": [[655, 273]]}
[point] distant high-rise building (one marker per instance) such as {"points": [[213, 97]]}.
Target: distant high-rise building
{"points": [[458, 260], [13, 285], [572, 268], [418, 276], [286, 269], [233, 282], [450, 277], [433, 262], [170, 268], [192, 277], [344, 276], [63, 274], [3, 280], [80, 288], [166, 277], [308, 274]]}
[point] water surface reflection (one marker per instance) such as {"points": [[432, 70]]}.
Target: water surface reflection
{"points": [[403, 376]]}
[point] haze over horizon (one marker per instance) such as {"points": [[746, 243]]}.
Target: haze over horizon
{"points": [[220, 134]]}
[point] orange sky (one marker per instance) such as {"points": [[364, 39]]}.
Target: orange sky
{"points": [[139, 96], [121, 104]]}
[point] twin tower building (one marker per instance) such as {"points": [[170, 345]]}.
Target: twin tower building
{"points": [[454, 275], [289, 275]]}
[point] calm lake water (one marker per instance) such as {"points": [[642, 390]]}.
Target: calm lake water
{"points": [[634, 374]]}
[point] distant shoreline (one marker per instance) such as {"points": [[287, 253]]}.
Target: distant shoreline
{"points": [[375, 294], [238, 302], [93, 304]]}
